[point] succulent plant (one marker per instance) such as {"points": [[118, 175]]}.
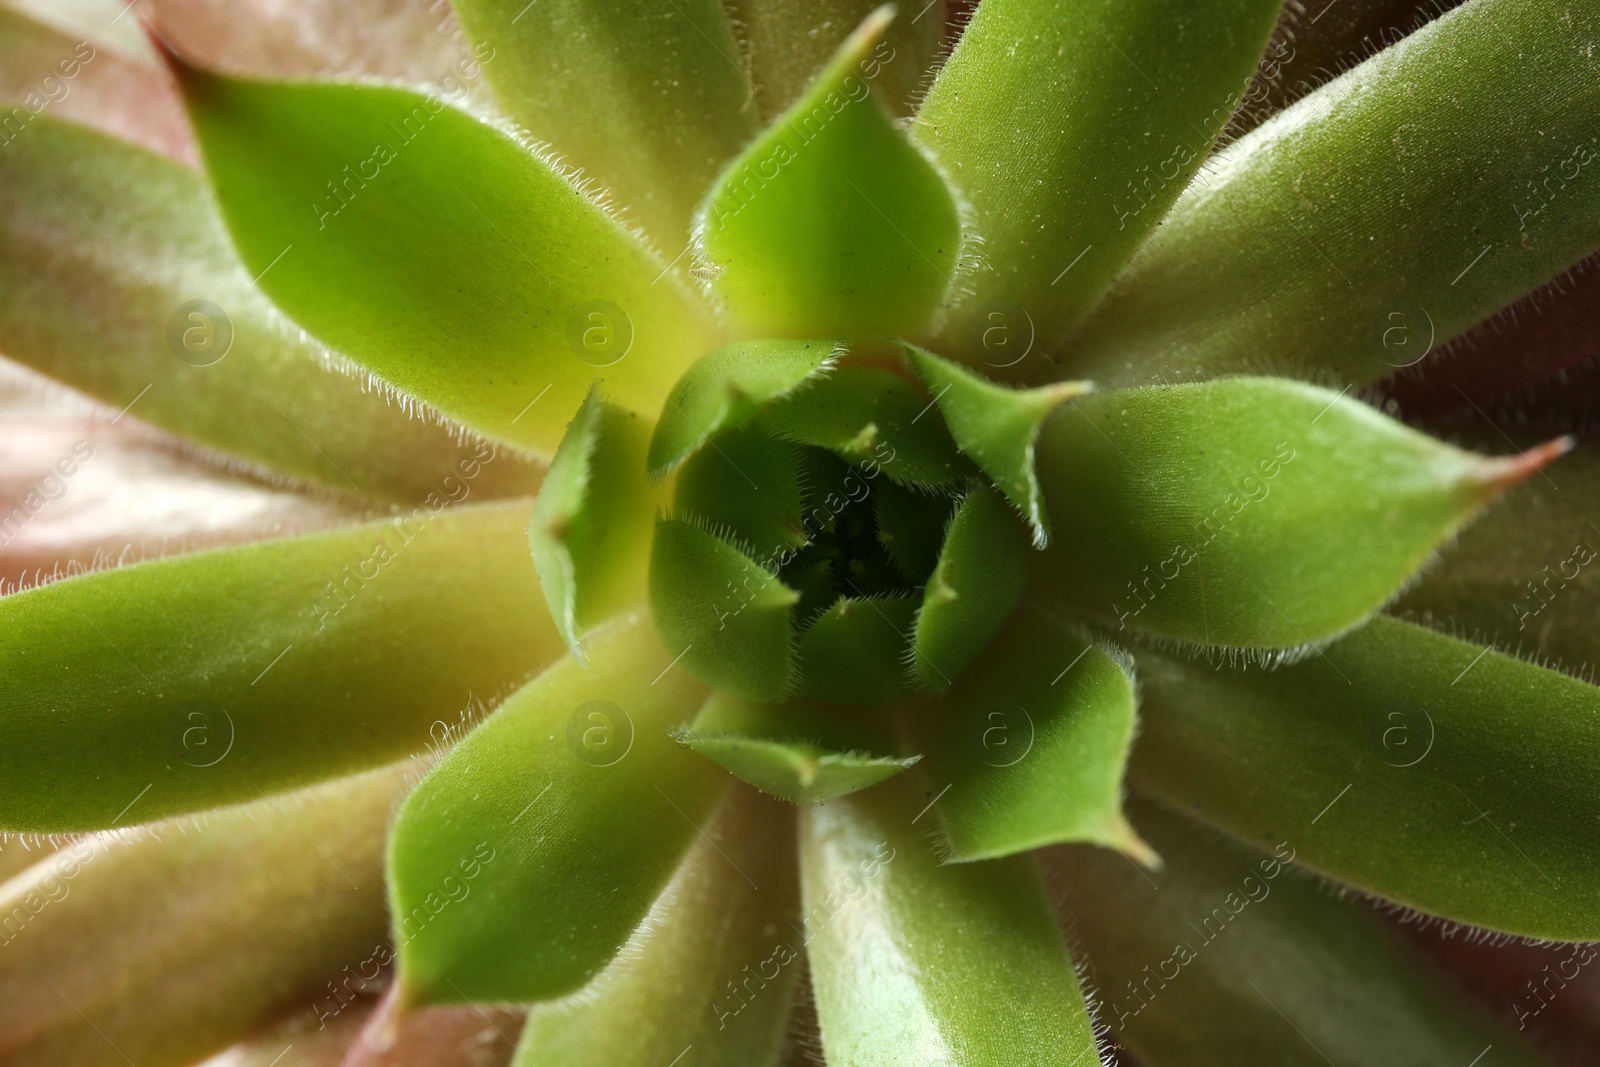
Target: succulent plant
{"points": [[745, 473]]}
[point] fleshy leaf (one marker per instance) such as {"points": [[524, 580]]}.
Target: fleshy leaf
{"points": [[869, 416], [1070, 126], [1391, 763], [911, 527], [724, 614], [978, 582], [914, 962], [439, 253], [208, 679], [650, 100], [1029, 747], [275, 897], [997, 428], [855, 653], [571, 793], [799, 751], [831, 222], [1339, 239], [748, 484], [712, 969], [726, 387], [116, 278], [1228, 956], [591, 525], [1249, 512]]}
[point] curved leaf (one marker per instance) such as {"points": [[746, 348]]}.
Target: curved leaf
{"points": [[800, 752], [1249, 512], [1388, 211], [1393, 762], [1030, 744], [914, 962], [856, 652], [591, 525], [978, 582], [1070, 126], [748, 484], [710, 977], [275, 903], [1227, 956], [439, 253], [650, 100], [831, 222], [525, 860], [186, 683], [726, 387], [911, 527], [116, 278]]}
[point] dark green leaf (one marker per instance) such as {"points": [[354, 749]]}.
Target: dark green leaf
{"points": [[748, 484], [527, 858], [911, 526], [979, 580], [207, 679], [831, 222], [1422, 769], [857, 652]]}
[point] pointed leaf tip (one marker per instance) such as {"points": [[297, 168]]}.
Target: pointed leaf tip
{"points": [[1507, 472]]}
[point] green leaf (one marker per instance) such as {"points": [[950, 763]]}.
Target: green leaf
{"points": [[439, 253], [914, 962], [911, 527], [1045, 718], [1070, 126], [1249, 512], [726, 387], [1523, 577], [1378, 217], [997, 427], [979, 580], [272, 898], [788, 42], [712, 969], [523, 863], [724, 613], [799, 751], [649, 100], [747, 483], [872, 417], [208, 679], [1227, 956], [831, 222], [856, 652], [1391, 764], [116, 278], [592, 521]]}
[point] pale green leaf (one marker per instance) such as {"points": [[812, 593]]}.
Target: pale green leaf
{"points": [[591, 525], [799, 751], [710, 977], [524, 861], [1379, 216], [1070, 126], [856, 652], [831, 222], [1410, 765], [439, 253], [1249, 512], [997, 427], [206, 679], [918, 963], [1228, 956], [650, 100], [224, 925], [978, 582], [1029, 746]]}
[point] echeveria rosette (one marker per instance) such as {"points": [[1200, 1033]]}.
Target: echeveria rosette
{"points": [[936, 627]]}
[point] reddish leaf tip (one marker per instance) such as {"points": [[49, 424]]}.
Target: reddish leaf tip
{"points": [[1507, 472]]}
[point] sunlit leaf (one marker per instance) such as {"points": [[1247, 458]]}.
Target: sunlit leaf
{"points": [[1249, 512], [979, 580], [526, 859], [1384, 213], [913, 962], [831, 222], [439, 253], [857, 651], [1070, 126], [1228, 956], [1422, 769]]}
